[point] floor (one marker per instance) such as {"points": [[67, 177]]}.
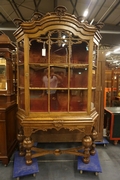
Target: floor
{"points": [[64, 167]]}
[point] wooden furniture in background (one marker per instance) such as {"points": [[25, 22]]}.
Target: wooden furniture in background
{"points": [[115, 87], [8, 107], [112, 87], [107, 90], [100, 85], [112, 121]]}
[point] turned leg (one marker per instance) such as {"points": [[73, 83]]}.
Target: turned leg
{"points": [[87, 142], [20, 138], [94, 137], [115, 142], [5, 161], [28, 143]]}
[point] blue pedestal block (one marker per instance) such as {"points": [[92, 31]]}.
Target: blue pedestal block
{"points": [[104, 142], [21, 169], [92, 166]]}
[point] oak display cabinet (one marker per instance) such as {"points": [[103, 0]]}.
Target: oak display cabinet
{"points": [[8, 107], [57, 75]]}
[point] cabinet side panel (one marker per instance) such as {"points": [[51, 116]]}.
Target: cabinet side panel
{"points": [[2, 138]]}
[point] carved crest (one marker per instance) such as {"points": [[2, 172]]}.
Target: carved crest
{"points": [[17, 22], [36, 16], [60, 10]]}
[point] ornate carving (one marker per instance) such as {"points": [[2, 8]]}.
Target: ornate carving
{"points": [[36, 16], [27, 144], [60, 10], [28, 131], [94, 137], [20, 138], [58, 125], [17, 22], [35, 130], [87, 142], [55, 125], [82, 130], [99, 25], [80, 18]]}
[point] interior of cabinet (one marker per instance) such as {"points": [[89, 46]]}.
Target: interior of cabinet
{"points": [[65, 58]]}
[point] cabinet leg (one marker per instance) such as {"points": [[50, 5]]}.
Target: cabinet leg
{"points": [[115, 142], [87, 142], [94, 137], [5, 161], [20, 138], [28, 143]]}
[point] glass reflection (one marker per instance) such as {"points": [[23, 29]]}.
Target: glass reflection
{"points": [[41, 76]]}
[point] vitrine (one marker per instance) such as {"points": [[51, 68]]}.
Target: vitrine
{"points": [[57, 75], [8, 107]]}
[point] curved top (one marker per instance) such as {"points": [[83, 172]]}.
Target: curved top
{"points": [[59, 19]]}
